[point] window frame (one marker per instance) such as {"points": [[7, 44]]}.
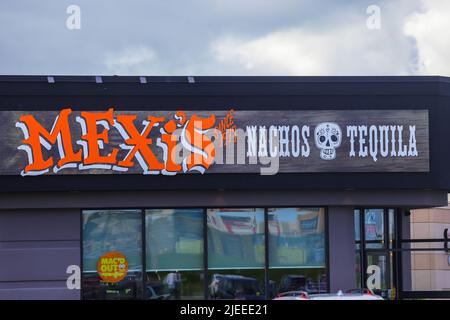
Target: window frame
{"points": [[392, 252], [205, 269]]}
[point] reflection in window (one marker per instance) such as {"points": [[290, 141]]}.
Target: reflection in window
{"points": [[235, 238], [392, 236], [238, 284], [374, 228], [357, 222], [109, 231], [297, 250], [173, 249], [311, 280], [174, 244], [175, 285], [236, 253], [296, 237]]}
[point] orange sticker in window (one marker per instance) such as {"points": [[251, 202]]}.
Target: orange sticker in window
{"points": [[112, 267]]}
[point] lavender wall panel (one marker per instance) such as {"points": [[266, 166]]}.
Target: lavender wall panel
{"points": [[42, 224], [36, 247], [341, 248], [37, 290]]}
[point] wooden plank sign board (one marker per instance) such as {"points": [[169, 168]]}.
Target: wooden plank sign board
{"points": [[227, 141]]}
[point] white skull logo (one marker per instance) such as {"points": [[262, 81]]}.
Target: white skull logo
{"points": [[328, 137]]}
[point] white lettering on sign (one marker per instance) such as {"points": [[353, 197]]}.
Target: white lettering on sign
{"points": [[279, 141], [378, 140]]}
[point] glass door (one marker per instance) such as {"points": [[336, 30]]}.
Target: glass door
{"points": [[375, 242], [378, 273]]}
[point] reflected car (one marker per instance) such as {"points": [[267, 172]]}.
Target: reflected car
{"points": [[292, 283], [350, 295], [292, 295], [356, 294], [234, 287], [361, 291]]}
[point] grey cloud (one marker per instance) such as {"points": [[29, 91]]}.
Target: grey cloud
{"points": [[173, 37]]}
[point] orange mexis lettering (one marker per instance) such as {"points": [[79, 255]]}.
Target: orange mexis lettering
{"points": [[140, 143], [36, 131], [92, 137]]}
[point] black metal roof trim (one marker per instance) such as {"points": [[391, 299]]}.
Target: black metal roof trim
{"points": [[220, 79], [114, 86]]}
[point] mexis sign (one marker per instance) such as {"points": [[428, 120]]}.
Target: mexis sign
{"points": [[137, 143], [224, 141]]}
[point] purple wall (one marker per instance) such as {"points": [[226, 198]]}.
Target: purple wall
{"points": [[341, 240], [36, 246]]}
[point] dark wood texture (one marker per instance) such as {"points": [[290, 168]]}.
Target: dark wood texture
{"points": [[14, 160]]}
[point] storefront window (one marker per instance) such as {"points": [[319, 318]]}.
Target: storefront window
{"points": [[297, 250], [236, 253], [170, 244], [112, 254], [174, 244], [374, 228]]}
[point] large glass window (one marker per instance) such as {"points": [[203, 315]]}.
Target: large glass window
{"points": [[159, 254], [112, 254], [296, 250], [236, 253], [174, 244]]}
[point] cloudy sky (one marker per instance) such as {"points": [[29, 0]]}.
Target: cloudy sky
{"points": [[225, 37]]}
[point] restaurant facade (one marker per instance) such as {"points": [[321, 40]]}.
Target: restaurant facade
{"points": [[217, 187]]}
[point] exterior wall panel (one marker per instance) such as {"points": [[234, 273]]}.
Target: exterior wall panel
{"points": [[36, 247], [341, 248]]}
